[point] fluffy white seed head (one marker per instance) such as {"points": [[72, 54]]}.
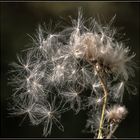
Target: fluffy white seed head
{"points": [[116, 113], [66, 64]]}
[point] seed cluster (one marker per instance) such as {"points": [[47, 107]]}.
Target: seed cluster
{"points": [[54, 75]]}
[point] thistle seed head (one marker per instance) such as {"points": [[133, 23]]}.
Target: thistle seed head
{"points": [[65, 66], [116, 113]]}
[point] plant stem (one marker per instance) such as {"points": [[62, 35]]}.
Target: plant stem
{"points": [[111, 132], [105, 90]]}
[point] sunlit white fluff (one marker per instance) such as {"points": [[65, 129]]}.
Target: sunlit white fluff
{"points": [[116, 113], [64, 65]]}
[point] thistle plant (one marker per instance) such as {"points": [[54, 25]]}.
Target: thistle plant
{"points": [[56, 74]]}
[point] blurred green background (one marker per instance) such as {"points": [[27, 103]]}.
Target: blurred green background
{"points": [[19, 19]]}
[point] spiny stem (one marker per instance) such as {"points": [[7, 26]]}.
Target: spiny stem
{"points": [[103, 85]]}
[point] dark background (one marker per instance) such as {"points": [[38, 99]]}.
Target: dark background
{"points": [[19, 19]]}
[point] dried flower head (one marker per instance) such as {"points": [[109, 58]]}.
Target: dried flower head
{"points": [[116, 113], [110, 54]]}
